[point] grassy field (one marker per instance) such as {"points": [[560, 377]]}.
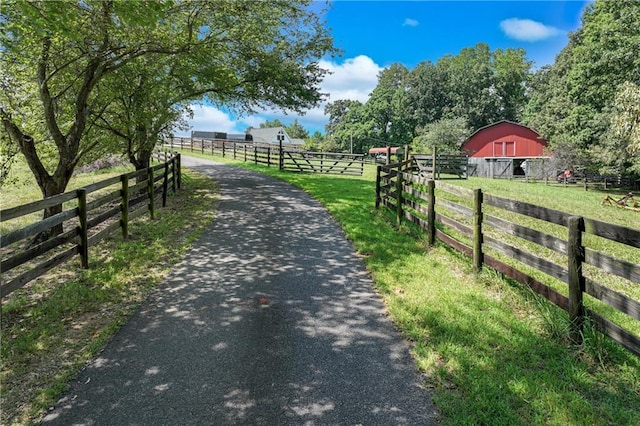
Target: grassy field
{"points": [[493, 352], [55, 324]]}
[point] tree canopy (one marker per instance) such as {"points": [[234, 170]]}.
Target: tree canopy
{"points": [[474, 88], [73, 70], [584, 101]]}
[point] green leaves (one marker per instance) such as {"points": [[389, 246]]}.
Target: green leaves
{"points": [[582, 102], [85, 73]]}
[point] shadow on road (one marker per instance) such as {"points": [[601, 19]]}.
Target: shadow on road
{"points": [[269, 319]]}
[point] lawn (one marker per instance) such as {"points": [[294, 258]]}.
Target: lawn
{"points": [[493, 352]]}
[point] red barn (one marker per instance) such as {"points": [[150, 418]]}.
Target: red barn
{"points": [[505, 139], [505, 149]]}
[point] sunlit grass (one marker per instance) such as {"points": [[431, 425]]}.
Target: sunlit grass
{"points": [[51, 327], [494, 353]]}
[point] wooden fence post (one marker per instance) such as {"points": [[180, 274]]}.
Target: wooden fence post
{"points": [[179, 164], [245, 152], [124, 222], [388, 161], [477, 230], [150, 192], [378, 171], [280, 156], [399, 195], [255, 154], [234, 150], [431, 212], [202, 146], [84, 230], [575, 254], [223, 150], [268, 156], [172, 165], [165, 184], [434, 163]]}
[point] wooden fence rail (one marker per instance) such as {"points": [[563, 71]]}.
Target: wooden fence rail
{"points": [[100, 209], [477, 228], [285, 158]]}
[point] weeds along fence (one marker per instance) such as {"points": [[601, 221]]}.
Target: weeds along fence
{"points": [[88, 215], [587, 267], [285, 158]]}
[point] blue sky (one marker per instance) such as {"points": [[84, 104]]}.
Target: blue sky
{"points": [[375, 34]]}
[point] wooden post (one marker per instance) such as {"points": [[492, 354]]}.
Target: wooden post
{"points": [[575, 254], [165, 184], [179, 163], [280, 156], [378, 170], [173, 174], [150, 192], [268, 156], [255, 154], [399, 195], [477, 230], [434, 163], [245, 152], [212, 143], [202, 146], [234, 150], [84, 230], [388, 161], [124, 221], [223, 150], [431, 212]]}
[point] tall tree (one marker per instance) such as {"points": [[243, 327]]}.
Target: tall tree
{"points": [[383, 108], [63, 50], [573, 103], [242, 57], [427, 94], [295, 130]]}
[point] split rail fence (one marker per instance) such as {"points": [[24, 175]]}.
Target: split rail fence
{"points": [[88, 215], [469, 221], [271, 155]]}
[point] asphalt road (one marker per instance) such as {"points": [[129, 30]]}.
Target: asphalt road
{"points": [[270, 319]]}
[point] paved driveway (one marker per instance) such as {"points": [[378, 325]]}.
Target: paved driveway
{"points": [[270, 319]]}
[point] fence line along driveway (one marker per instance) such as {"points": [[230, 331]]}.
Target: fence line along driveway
{"points": [[269, 319]]}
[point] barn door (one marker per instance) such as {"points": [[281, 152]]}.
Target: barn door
{"points": [[502, 168]]}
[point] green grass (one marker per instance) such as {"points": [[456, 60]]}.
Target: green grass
{"points": [[493, 352], [52, 326]]}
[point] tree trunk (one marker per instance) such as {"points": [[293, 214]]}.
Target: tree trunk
{"points": [[50, 185]]}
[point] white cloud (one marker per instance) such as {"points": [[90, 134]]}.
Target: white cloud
{"points": [[528, 30], [353, 79], [408, 22], [207, 117]]}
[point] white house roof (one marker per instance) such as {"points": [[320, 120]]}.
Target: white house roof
{"points": [[269, 134]]}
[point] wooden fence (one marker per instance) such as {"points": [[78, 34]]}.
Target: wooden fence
{"points": [[284, 157], [412, 197], [89, 215], [439, 166]]}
